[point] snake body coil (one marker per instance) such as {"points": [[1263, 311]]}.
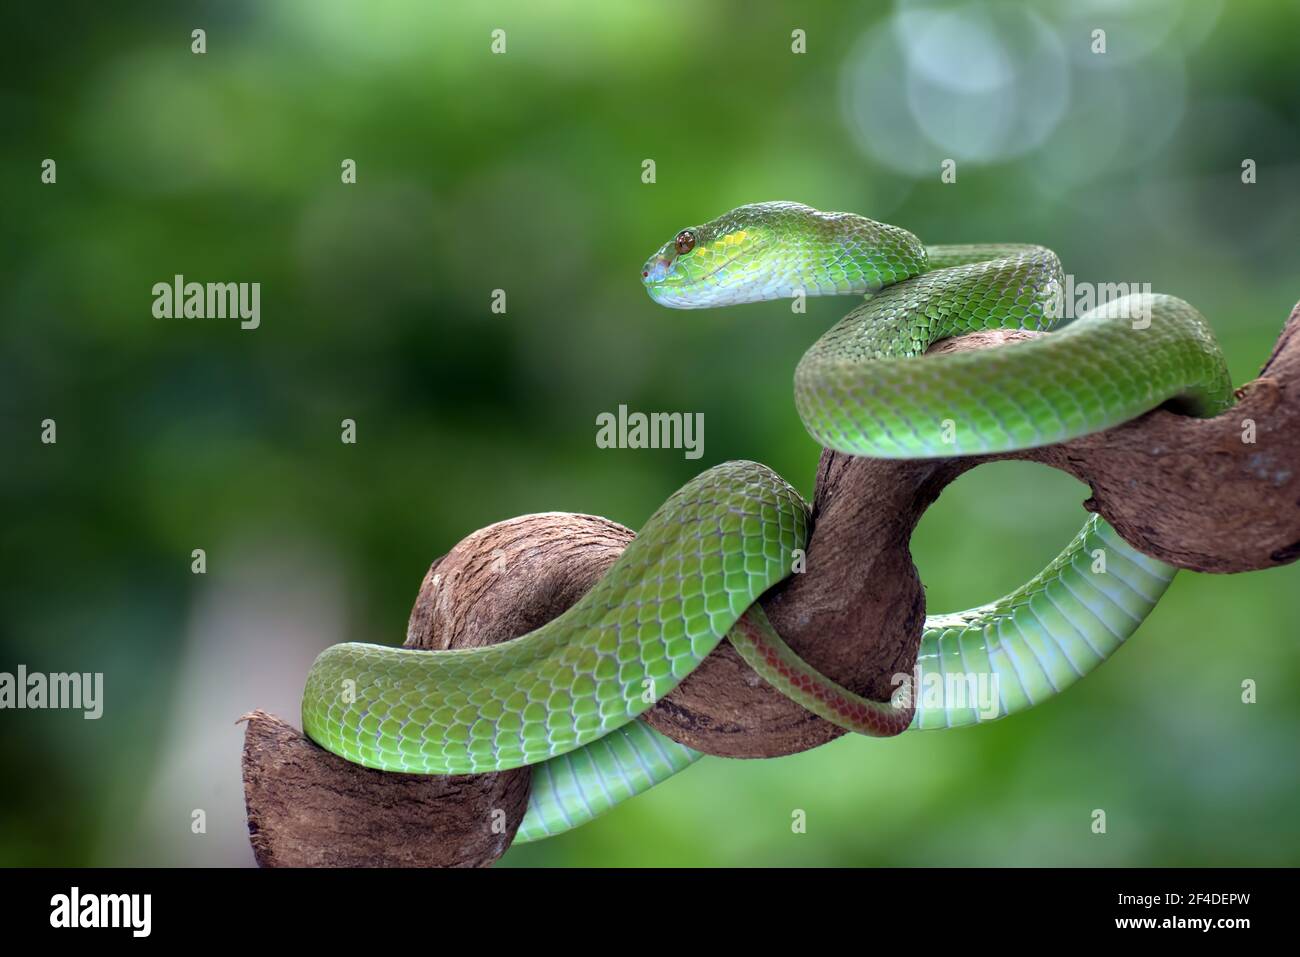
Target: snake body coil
{"points": [[564, 696]]}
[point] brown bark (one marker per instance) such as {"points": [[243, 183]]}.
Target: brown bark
{"points": [[308, 807], [1191, 492]]}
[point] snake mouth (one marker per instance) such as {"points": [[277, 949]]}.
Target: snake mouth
{"points": [[675, 278], [679, 289]]}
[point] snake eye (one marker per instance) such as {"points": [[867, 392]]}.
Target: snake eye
{"points": [[684, 242]]}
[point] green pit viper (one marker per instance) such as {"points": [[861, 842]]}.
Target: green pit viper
{"points": [[565, 697]]}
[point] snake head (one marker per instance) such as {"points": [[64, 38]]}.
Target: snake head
{"points": [[713, 264], [776, 251]]}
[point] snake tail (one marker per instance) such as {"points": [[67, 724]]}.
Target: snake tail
{"points": [[973, 667]]}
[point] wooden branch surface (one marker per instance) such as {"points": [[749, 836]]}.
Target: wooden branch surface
{"points": [[1193, 492]]}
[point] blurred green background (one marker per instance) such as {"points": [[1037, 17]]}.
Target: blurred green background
{"points": [[522, 172]]}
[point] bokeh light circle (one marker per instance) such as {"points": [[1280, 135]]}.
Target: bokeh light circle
{"points": [[982, 84]]}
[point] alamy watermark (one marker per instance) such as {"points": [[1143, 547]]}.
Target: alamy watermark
{"points": [[36, 690], [654, 430], [1073, 299], [977, 691], [75, 909], [179, 299]]}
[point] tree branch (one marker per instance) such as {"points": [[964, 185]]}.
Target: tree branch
{"points": [[1194, 493]]}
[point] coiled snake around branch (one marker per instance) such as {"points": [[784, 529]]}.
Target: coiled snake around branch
{"points": [[565, 696]]}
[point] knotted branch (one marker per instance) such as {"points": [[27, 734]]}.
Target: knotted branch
{"points": [[1213, 495]]}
